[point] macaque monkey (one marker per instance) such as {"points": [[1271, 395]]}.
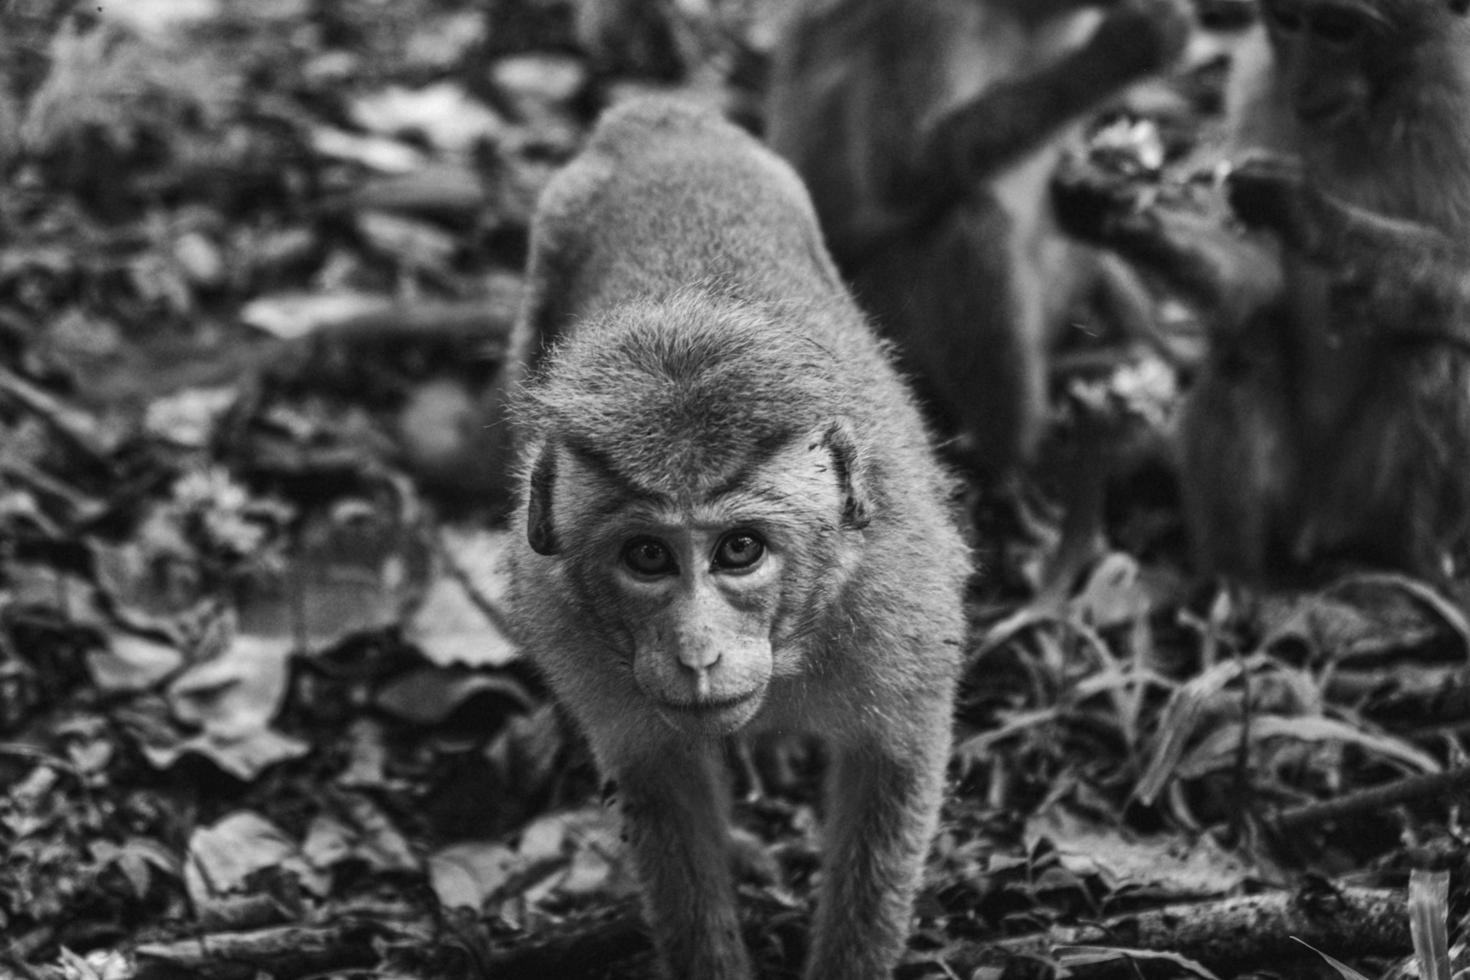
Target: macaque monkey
{"points": [[927, 131], [1331, 420], [731, 520]]}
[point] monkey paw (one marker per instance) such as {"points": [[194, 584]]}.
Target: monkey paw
{"points": [[1094, 205], [1272, 192], [1147, 35]]}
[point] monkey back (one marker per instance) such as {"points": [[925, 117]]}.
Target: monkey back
{"points": [[710, 325]]}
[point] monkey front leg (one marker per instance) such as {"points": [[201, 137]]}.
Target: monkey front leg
{"points": [[675, 810], [883, 803]]}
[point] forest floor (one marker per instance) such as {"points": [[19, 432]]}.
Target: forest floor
{"points": [[260, 715]]}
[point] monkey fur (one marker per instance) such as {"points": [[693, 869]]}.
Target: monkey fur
{"points": [[1331, 420], [1312, 435], [927, 131], [731, 519]]}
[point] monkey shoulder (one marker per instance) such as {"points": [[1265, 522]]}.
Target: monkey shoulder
{"points": [[659, 150], [668, 193]]}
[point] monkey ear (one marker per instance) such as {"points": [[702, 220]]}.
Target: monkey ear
{"points": [[539, 530], [857, 506]]}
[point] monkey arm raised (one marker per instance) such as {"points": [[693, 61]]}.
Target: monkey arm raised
{"points": [[1012, 119], [894, 111]]}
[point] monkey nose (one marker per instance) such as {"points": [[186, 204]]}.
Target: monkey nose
{"points": [[699, 657], [699, 663]]}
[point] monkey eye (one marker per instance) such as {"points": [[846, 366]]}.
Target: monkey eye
{"points": [[649, 556], [739, 551]]}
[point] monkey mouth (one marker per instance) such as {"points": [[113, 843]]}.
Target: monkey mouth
{"points": [[720, 716], [710, 707]]}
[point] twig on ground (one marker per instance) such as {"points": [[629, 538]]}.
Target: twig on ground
{"points": [[1233, 934], [1406, 790]]}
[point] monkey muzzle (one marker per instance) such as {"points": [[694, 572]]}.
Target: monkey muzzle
{"points": [[704, 682], [711, 719]]}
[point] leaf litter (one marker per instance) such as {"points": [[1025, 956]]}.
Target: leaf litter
{"points": [[260, 710]]}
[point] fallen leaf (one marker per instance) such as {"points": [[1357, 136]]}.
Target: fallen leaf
{"points": [[442, 112], [238, 692], [1113, 594], [1174, 865], [410, 242], [1075, 958], [453, 625], [244, 756], [328, 841], [292, 315], [188, 418], [542, 79], [160, 18], [374, 152], [99, 964], [467, 874], [132, 663], [430, 696], [378, 840], [220, 857], [361, 567]]}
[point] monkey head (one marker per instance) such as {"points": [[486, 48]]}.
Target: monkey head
{"points": [[1337, 58], [700, 501]]}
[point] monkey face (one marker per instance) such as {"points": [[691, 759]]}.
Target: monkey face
{"points": [[702, 602], [705, 596], [1335, 56]]}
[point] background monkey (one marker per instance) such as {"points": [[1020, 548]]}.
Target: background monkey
{"points": [[1332, 418], [927, 131], [731, 518]]}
